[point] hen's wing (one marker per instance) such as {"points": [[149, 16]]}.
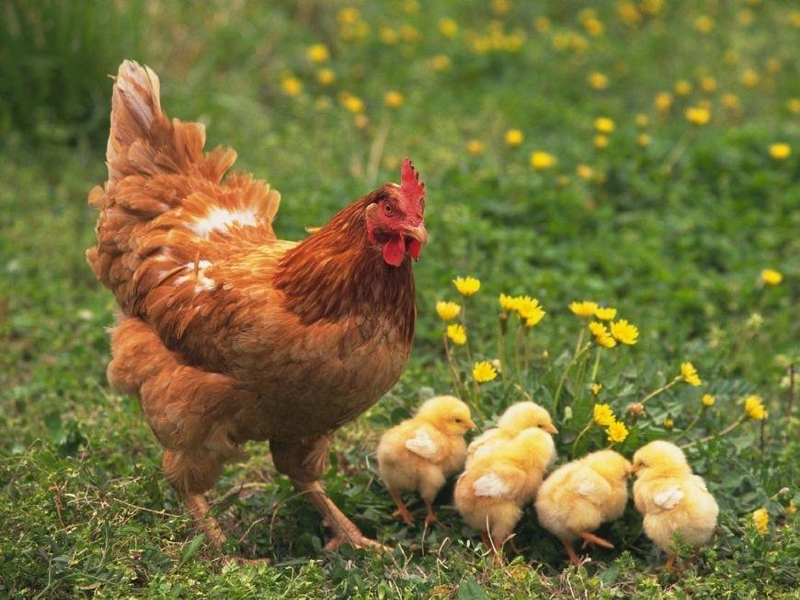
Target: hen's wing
{"points": [[170, 227]]}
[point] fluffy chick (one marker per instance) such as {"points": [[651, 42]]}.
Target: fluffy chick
{"points": [[516, 418], [581, 495], [419, 453], [491, 492], [672, 499]]}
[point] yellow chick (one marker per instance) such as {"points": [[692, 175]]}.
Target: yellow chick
{"points": [[419, 453], [581, 495], [516, 418], [672, 499], [491, 492]]}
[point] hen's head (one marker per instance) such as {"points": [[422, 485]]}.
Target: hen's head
{"points": [[395, 218]]}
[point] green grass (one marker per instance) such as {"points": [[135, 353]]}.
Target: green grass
{"points": [[674, 234]]}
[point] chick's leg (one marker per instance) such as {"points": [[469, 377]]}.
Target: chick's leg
{"points": [[303, 461], [401, 511], [590, 538]]}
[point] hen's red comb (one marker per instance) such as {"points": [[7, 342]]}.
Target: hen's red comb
{"points": [[413, 189]]}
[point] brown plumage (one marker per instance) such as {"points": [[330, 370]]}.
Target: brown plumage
{"points": [[228, 334]]}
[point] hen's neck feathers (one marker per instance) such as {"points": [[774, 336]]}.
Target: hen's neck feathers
{"points": [[336, 273]]}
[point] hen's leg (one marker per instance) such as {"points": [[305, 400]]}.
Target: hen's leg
{"points": [[197, 505], [303, 461]]}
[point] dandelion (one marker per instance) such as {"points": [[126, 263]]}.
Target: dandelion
{"points": [[683, 88], [596, 387], [534, 316], [542, 160], [584, 309], [617, 432], [318, 54], [291, 86], [542, 24], [624, 332], [509, 303], [750, 78], [393, 99], [780, 151], [643, 140], [484, 371], [698, 115], [598, 81], [602, 337], [704, 24], [642, 120], [760, 519], [352, 103], [604, 125], [585, 172], [708, 400], [708, 84], [440, 63], [603, 415], [793, 105], [514, 137], [467, 286], [448, 28], [689, 374], [663, 101], [601, 142], [347, 16], [326, 76], [754, 408], [475, 148], [527, 307], [605, 313], [457, 333], [668, 423], [771, 277], [447, 311]]}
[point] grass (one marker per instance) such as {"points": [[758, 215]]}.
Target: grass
{"points": [[674, 233]]}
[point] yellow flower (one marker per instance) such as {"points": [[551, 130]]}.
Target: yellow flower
{"points": [[585, 172], [624, 332], [509, 303], [689, 374], [467, 286], [584, 309], [448, 28], [750, 78], [704, 24], [326, 76], [708, 84], [601, 142], [643, 140], [457, 333], [527, 307], [605, 314], [761, 520], [604, 125], [601, 335], [542, 24], [484, 371], [393, 99], [617, 432], [754, 408], [598, 81], [708, 400], [683, 87], [292, 86], [642, 120], [533, 317], [596, 387], [603, 415], [318, 53], [771, 277], [514, 137], [474, 147], [668, 423], [698, 115], [440, 63], [542, 160], [780, 151], [347, 15], [793, 104], [447, 311], [663, 101], [352, 103]]}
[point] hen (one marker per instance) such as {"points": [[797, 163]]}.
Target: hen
{"points": [[228, 334]]}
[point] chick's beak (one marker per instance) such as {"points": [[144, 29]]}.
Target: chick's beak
{"points": [[550, 428], [470, 424]]}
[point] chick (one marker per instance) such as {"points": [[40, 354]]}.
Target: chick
{"points": [[419, 453], [516, 418], [491, 492], [580, 495], [672, 499]]}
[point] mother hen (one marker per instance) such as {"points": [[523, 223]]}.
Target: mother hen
{"points": [[228, 334]]}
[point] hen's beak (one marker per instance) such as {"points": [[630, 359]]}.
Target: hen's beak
{"points": [[415, 238]]}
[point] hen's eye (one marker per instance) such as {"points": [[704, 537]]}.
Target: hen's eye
{"points": [[388, 209]]}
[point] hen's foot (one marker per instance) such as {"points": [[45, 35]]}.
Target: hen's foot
{"points": [[343, 529], [198, 506]]}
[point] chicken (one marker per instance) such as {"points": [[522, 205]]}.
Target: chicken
{"points": [[581, 495], [421, 452], [672, 499], [228, 334], [516, 417], [494, 488]]}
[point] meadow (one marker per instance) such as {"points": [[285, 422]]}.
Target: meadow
{"points": [[631, 164]]}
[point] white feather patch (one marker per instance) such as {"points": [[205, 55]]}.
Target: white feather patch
{"points": [[490, 485], [220, 219], [669, 498], [587, 487], [422, 444]]}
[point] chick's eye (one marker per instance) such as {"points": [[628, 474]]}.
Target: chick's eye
{"points": [[458, 420]]}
